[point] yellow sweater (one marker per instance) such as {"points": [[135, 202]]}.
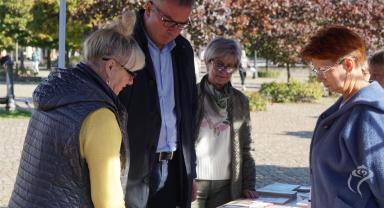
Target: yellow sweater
{"points": [[100, 142]]}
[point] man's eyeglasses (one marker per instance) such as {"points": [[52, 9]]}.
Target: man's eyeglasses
{"points": [[133, 74], [167, 22], [220, 67], [323, 70]]}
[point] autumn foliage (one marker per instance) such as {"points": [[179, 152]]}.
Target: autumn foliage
{"points": [[276, 29]]}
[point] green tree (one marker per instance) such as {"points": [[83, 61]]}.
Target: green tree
{"points": [[14, 16], [45, 26], [76, 29]]}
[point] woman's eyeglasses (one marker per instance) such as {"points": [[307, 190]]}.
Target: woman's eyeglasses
{"points": [[167, 22], [133, 74], [220, 67], [323, 70]]}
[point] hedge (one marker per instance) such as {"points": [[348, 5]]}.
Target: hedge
{"points": [[257, 102], [292, 92]]}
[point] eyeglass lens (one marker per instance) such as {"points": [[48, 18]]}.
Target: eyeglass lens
{"points": [[168, 22], [219, 66]]}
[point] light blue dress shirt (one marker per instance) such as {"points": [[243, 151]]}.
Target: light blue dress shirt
{"points": [[162, 63]]}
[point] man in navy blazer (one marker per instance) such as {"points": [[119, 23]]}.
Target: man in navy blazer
{"points": [[161, 109]]}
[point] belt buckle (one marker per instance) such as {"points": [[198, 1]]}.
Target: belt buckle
{"points": [[165, 156]]}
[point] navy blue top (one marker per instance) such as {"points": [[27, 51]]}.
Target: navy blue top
{"points": [[347, 152]]}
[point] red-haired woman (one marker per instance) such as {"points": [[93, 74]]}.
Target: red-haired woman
{"points": [[347, 149]]}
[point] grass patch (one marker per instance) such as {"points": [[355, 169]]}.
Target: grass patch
{"points": [[268, 74], [15, 114]]}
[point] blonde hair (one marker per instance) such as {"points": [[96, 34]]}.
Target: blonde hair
{"points": [[115, 41]]}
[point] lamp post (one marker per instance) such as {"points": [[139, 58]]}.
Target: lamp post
{"points": [[9, 100], [62, 23]]}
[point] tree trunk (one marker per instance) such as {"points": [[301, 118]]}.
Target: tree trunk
{"points": [[22, 58], [288, 74], [266, 64], [67, 64], [255, 59], [17, 56], [49, 64]]}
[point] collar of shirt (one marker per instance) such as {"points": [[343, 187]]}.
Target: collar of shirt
{"points": [[167, 48]]}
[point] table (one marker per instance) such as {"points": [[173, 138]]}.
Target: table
{"points": [[279, 195], [248, 203]]}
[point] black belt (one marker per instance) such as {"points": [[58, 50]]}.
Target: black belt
{"points": [[165, 155]]}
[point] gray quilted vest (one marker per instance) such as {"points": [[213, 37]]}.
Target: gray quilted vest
{"points": [[52, 172]]}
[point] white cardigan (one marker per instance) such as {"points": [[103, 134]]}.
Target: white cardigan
{"points": [[213, 150]]}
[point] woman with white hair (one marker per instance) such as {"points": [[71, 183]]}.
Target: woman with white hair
{"points": [[77, 133], [225, 156]]}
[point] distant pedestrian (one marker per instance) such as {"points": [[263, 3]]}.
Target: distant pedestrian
{"points": [[35, 61], [4, 59], [243, 75], [376, 67], [252, 68]]}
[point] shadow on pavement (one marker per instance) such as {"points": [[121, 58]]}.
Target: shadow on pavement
{"points": [[301, 134], [267, 174]]}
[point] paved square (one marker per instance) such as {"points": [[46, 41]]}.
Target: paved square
{"points": [[281, 139]]}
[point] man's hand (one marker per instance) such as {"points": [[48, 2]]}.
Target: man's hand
{"points": [[194, 190], [250, 194]]}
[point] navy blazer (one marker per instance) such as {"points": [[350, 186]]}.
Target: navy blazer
{"points": [[347, 151], [144, 120]]}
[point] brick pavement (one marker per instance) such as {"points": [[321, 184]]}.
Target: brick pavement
{"points": [[281, 135]]}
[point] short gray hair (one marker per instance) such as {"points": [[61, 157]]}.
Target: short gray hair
{"points": [[220, 47], [377, 59], [115, 41]]}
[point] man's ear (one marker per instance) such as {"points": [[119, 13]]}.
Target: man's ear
{"points": [[147, 6]]}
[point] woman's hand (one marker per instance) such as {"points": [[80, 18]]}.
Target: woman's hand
{"points": [[250, 194]]}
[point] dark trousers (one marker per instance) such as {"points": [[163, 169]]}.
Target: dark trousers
{"points": [[243, 75], [169, 195]]}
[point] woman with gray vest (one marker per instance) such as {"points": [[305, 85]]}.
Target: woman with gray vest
{"points": [[77, 133], [224, 153]]}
